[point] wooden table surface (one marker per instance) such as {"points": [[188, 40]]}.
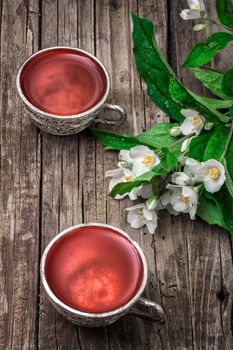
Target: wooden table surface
{"points": [[49, 183]]}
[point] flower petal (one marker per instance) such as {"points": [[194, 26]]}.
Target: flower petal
{"points": [[133, 194], [140, 151], [151, 226], [190, 14], [124, 155], [186, 127], [188, 113], [179, 206], [165, 199], [137, 206], [114, 173], [147, 214], [139, 168], [180, 178], [138, 223]]}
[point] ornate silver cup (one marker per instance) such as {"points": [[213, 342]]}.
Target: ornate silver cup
{"points": [[137, 306], [72, 124]]}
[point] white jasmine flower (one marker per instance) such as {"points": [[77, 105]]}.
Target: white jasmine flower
{"points": [[180, 178], [175, 131], [145, 191], [194, 122], [119, 176], [124, 156], [195, 11], [185, 144], [139, 215], [141, 158], [183, 199], [212, 173], [144, 159], [164, 202], [191, 166]]}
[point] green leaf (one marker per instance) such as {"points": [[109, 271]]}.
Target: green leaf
{"points": [[189, 99], [231, 112], [211, 80], [210, 212], [115, 141], [224, 202], [217, 104], [229, 158], [225, 12], [158, 136], [227, 83], [153, 67], [217, 143], [158, 76], [163, 102], [168, 162], [198, 145], [202, 53], [229, 182]]}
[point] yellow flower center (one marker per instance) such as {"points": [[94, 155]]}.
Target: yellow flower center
{"points": [[213, 173], [184, 199], [196, 7], [148, 160], [139, 213], [196, 120], [127, 178]]}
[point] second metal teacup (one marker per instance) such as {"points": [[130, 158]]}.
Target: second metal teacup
{"points": [[61, 83], [136, 304]]}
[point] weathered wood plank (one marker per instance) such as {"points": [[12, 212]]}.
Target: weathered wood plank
{"points": [[190, 263], [20, 173], [60, 179]]}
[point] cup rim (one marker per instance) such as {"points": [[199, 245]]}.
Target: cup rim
{"points": [[76, 312], [55, 116]]}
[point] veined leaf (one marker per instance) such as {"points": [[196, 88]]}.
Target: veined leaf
{"points": [[216, 145], [198, 145], [225, 12], [115, 141], [202, 53], [229, 182], [217, 104], [227, 83], [210, 212], [224, 202], [189, 99], [159, 76], [211, 80], [158, 136], [152, 66], [229, 158]]}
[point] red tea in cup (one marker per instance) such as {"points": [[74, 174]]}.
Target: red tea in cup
{"points": [[94, 269], [63, 82]]}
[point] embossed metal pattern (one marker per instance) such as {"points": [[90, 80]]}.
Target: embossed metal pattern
{"points": [[84, 318], [68, 125]]}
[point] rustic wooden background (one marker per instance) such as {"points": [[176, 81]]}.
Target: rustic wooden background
{"points": [[49, 183]]}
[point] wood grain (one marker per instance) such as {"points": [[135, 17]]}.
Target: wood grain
{"points": [[49, 183]]}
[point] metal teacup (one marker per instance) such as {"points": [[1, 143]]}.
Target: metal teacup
{"points": [[137, 306], [72, 124]]}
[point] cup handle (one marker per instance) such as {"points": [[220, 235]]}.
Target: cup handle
{"points": [[148, 310], [115, 108]]}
